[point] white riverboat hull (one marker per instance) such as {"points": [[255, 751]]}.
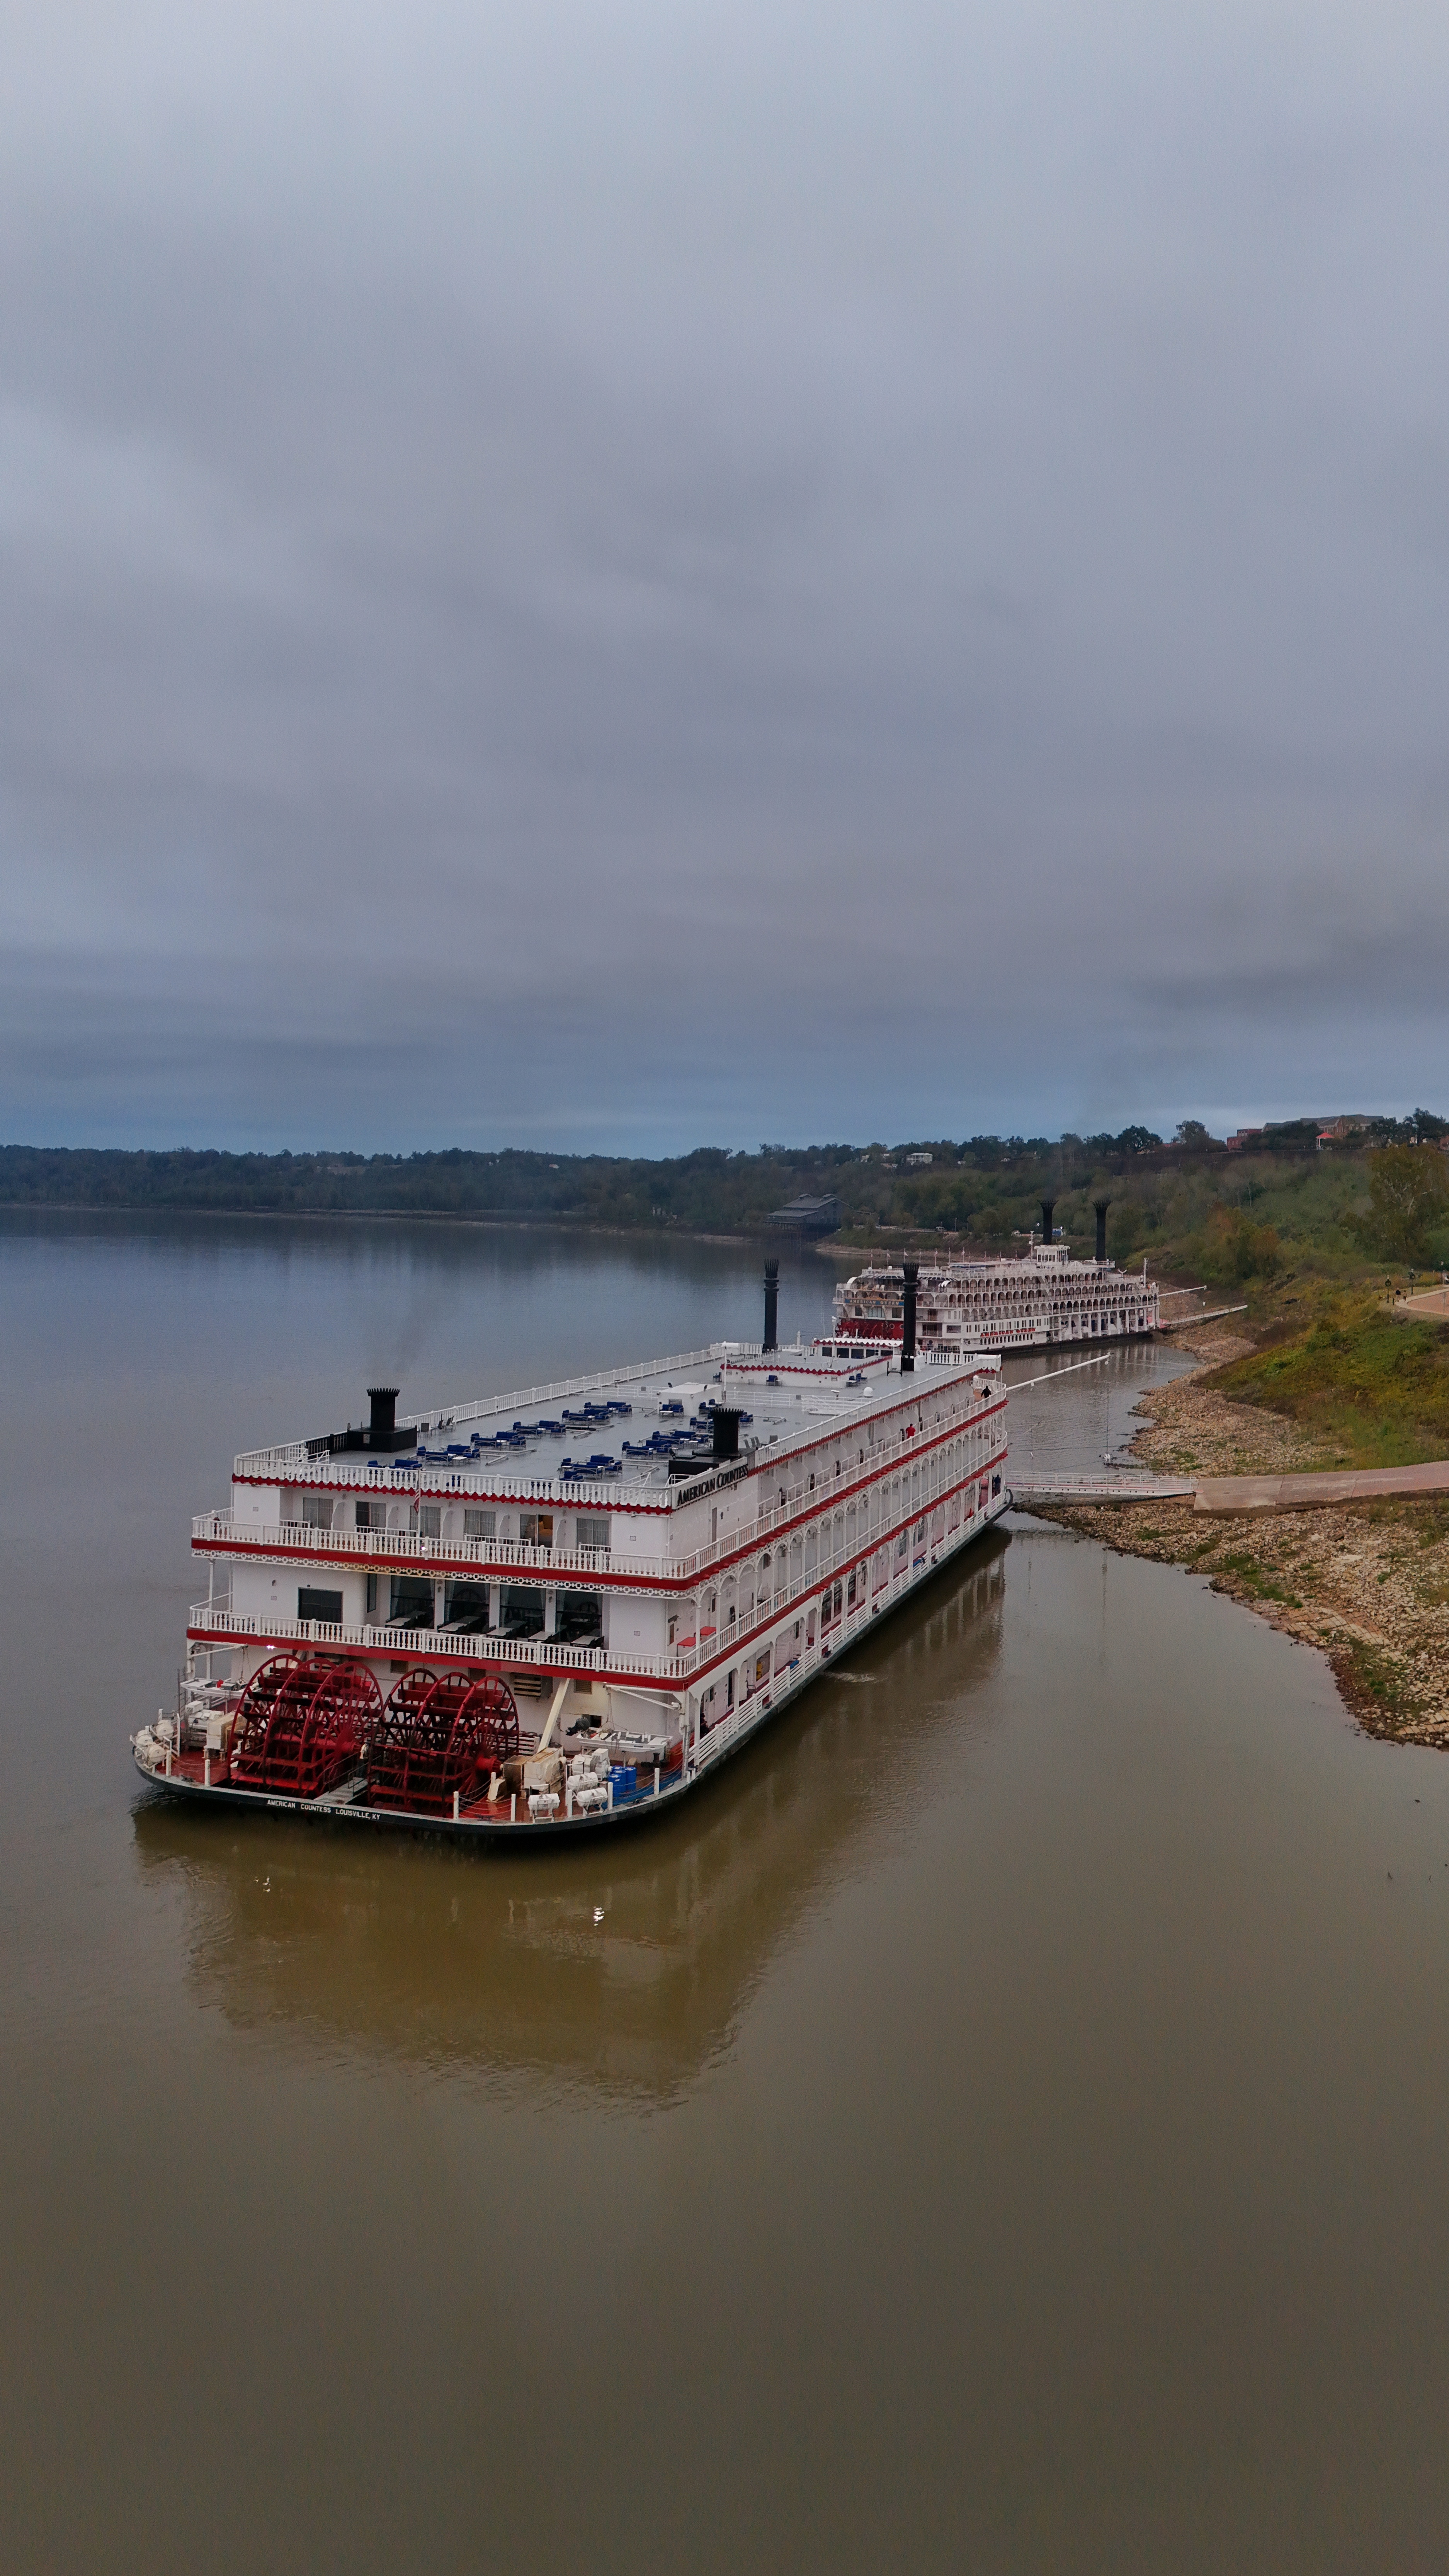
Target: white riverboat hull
{"points": [[521, 1830]]}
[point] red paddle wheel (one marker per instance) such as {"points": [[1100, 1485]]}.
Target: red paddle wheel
{"points": [[439, 1736], [302, 1724]]}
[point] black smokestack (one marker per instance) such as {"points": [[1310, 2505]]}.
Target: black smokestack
{"points": [[1047, 1206], [383, 1428], [726, 1431], [772, 1302], [911, 1273], [1101, 1206]]}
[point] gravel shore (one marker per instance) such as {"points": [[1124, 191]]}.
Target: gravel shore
{"points": [[1365, 1583]]}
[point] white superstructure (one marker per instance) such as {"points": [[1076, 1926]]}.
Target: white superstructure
{"points": [[970, 1306]]}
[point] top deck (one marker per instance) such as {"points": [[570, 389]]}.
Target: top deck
{"points": [[611, 1435], [1040, 1261]]}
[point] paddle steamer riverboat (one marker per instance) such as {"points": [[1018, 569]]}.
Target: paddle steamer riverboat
{"points": [[562, 1609], [1045, 1297]]}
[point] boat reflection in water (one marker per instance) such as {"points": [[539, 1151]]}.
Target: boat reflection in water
{"points": [[625, 1967]]}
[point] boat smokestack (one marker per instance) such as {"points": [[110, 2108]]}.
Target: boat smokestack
{"points": [[382, 1430], [1047, 1206], [1101, 1206], [726, 1432], [772, 1303], [911, 1273]]}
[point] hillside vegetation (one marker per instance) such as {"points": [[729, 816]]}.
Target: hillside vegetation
{"points": [[1370, 1384], [1190, 1207]]}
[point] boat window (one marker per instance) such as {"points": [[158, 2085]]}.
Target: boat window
{"points": [[430, 1520], [465, 1606], [316, 1511], [580, 1619], [520, 1610], [480, 1524], [410, 1603], [536, 1528], [591, 1530], [312, 1604]]}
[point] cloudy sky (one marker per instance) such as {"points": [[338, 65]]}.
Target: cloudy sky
{"points": [[629, 575]]}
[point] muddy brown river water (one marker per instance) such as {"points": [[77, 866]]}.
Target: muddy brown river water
{"points": [[1000, 2124]]}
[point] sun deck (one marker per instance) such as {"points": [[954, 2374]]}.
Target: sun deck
{"points": [[626, 1436]]}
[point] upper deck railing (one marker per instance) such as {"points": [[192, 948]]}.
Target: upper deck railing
{"points": [[299, 1461], [776, 1508]]}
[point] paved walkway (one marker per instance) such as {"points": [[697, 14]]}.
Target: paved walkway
{"points": [[1224, 1494], [1429, 1301], [1312, 1492]]}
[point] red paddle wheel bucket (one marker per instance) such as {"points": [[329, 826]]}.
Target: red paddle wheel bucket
{"points": [[302, 1725], [439, 1737]]}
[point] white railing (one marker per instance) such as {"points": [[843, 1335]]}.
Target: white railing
{"points": [[294, 1539], [225, 1627], [856, 1547], [403, 1547]]}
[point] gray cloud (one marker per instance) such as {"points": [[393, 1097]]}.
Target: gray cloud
{"points": [[627, 577]]}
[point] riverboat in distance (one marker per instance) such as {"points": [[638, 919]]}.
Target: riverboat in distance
{"points": [[560, 1610], [1005, 1305]]}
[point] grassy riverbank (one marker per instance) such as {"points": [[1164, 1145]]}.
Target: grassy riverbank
{"points": [[1366, 1382], [1367, 1584]]}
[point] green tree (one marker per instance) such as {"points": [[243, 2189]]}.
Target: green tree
{"points": [[1408, 1192], [1238, 1249]]}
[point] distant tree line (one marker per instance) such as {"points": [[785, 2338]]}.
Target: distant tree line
{"points": [[933, 1182], [1188, 1203]]}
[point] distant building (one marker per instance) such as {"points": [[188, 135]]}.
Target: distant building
{"points": [[915, 1161], [1244, 1136], [809, 1216], [1336, 1131]]}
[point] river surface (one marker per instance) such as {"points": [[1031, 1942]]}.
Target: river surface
{"points": [[999, 2125]]}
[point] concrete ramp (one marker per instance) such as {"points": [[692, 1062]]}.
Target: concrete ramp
{"points": [[1316, 1492]]}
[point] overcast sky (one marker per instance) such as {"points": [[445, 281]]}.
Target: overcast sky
{"points": [[629, 575]]}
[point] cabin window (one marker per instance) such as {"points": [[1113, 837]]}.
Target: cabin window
{"points": [[430, 1520], [480, 1524], [591, 1530], [316, 1511], [465, 1606], [520, 1610], [579, 1618], [410, 1601], [364, 1516], [535, 1529], [371, 1596], [312, 1604]]}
